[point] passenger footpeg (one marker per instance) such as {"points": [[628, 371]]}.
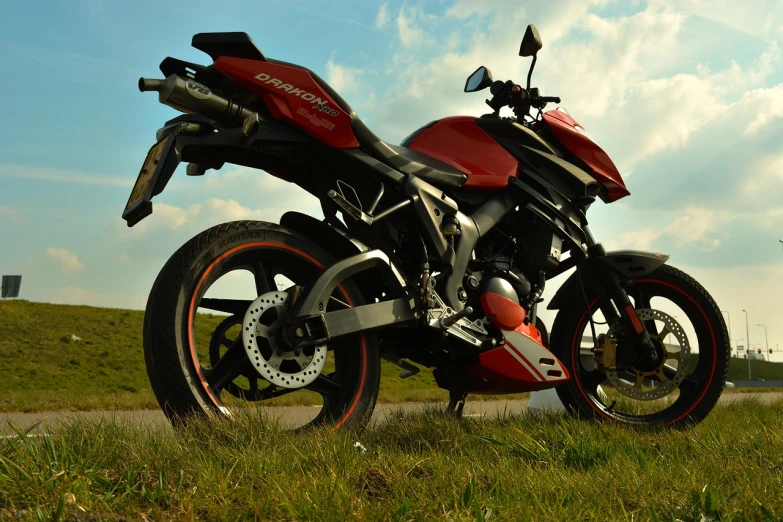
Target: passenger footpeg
{"points": [[408, 370], [358, 213], [349, 208]]}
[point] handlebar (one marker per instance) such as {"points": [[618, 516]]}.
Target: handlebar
{"points": [[507, 94]]}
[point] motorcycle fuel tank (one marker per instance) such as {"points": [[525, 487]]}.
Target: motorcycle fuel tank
{"points": [[458, 141], [574, 138]]}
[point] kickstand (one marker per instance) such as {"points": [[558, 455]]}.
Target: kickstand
{"points": [[456, 402]]}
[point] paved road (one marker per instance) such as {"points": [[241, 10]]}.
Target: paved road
{"points": [[298, 415], [289, 415]]}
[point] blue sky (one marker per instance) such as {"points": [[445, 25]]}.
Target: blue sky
{"points": [[687, 97]]}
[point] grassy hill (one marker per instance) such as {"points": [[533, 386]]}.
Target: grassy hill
{"points": [[42, 368], [769, 371]]}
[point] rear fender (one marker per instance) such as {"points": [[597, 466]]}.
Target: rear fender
{"points": [[340, 245], [628, 264]]}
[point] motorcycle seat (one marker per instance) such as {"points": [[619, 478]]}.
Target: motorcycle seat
{"points": [[407, 160], [403, 159]]}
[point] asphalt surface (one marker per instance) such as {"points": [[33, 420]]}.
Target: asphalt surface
{"points": [[294, 415]]}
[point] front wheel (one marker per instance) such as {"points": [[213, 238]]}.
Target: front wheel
{"points": [[691, 339], [198, 363]]}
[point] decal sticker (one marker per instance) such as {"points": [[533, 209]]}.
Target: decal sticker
{"points": [[197, 90], [315, 120], [318, 103]]}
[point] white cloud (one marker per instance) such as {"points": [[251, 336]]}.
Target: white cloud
{"points": [[65, 176], [592, 79], [771, 103], [67, 260], [620, 54], [408, 29], [75, 295], [637, 240], [697, 224], [383, 16], [342, 78], [191, 219], [756, 288], [694, 226], [767, 175], [7, 213], [757, 19]]}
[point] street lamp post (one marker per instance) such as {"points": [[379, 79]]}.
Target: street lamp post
{"points": [[767, 340], [729, 325], [747, 338]]}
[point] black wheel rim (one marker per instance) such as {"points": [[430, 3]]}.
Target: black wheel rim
{"points": [[692, 390], [267, 264]]}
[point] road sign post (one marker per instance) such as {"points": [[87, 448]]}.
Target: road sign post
{"points": [[10, 286]]}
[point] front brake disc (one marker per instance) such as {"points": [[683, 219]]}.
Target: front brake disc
{"points": [[638, 389]]}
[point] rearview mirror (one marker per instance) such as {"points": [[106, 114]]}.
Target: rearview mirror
{"points": [[531, 42], [481, 79]]}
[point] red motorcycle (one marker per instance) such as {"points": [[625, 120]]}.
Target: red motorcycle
{"points": [[439, 256]]}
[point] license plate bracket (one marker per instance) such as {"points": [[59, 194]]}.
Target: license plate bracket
{"points": [[158, 166]]}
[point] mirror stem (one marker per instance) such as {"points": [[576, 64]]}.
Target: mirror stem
{"points": [[530, 72]]}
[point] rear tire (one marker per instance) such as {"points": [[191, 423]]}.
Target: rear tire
{"points": [[173, 367]]}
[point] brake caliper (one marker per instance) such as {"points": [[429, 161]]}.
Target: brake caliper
{"points": [[605, 352]]}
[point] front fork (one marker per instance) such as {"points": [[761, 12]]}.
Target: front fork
{"points": [[619, 308]]}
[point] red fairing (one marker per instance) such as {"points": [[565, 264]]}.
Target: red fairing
{"points": [[504, 313], [293, 95], [521, 364], [459, 142], [571, 135], [499, 372]]}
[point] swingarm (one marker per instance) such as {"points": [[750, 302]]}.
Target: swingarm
{"points": [[310, 323]]}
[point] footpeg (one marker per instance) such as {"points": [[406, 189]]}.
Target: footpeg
{"points": [[408, 370], [448, 322]]}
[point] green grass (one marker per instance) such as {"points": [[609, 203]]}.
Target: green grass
{"points": [[43, 369], [769, 371], [424, 466]]}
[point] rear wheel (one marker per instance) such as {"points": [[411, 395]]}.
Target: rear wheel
{"points": [[197, 362], [690, 336]]}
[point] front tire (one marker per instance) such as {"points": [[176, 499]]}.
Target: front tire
{"points": [[696, 395], [178, 374]]}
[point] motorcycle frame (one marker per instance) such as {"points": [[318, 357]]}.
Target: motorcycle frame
{"points": [[309, 324]]}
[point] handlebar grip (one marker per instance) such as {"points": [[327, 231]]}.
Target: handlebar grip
{"points": [[553, 99]]}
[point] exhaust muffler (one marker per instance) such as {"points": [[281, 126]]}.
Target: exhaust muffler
{"points": [[189, 96]]}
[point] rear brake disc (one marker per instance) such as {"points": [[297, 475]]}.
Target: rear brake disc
{"points": [[284, 368]]}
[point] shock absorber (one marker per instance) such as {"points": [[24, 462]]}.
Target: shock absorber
{"points": [[187, 95], [531, 300]]}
